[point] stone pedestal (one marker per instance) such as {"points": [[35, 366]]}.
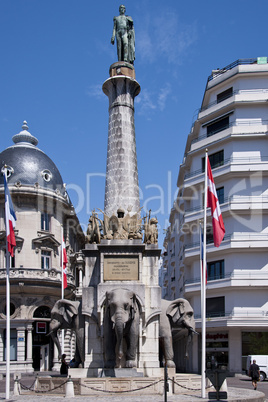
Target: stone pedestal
{"points": [[139, 261]]}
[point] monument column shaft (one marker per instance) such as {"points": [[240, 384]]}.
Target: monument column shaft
{"points": [[122, 186]]}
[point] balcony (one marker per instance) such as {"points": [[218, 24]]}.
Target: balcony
{"points": [[239, 62], [36, 274], [236, 278], [232, 164], [232, 203], [237, 96], [247, 317], [249, 127], [236, 240]]}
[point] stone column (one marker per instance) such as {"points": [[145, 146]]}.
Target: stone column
{"points": [[122, 187], [29, 343], [80, 262], [80, 277], [235, 350], [56, 363]]}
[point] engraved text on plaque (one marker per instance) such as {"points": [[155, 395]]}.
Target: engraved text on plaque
{"points": [[121, 269]]}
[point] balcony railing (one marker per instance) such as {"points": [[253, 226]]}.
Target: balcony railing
{"points": [[51, 274], [209, 241], [228, 161], [231, 124], [236, 92], [239, 62], [233, 199], [250, 313], [235, 236], [238, 274]]}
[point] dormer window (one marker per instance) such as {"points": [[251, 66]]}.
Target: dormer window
{"points": [[47, 175], [9, 171]]}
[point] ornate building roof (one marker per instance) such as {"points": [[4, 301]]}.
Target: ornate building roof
{"points": [[28, 165]]}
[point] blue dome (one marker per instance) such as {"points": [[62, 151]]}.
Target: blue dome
{"points": [[28, 165]]}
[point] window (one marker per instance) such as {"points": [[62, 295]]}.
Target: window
{"points": [[3, 259], [225, 95], [42, 312], [215, 270], [45, 221], [13, 344], [220, 194], [45, 259], [215, 160], [217, 126], [215, 306], [210, 237], [47, 175], [12, 309]]}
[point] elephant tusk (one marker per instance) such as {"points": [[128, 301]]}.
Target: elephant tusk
{"points": [[113, 325], [190, 329]]}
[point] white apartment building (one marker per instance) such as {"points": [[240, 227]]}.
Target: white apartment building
{"points": [[232, 124]]}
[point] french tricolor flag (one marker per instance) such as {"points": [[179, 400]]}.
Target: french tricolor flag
{"points": [[10, 220]]}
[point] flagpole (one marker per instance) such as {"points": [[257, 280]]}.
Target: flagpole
{"points": [[201, 263], [203, 292], [62, 287], [7, 308]]}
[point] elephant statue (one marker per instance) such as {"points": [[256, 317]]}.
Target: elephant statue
{"points": [[121, 323], [67, 314], [174, 314]]}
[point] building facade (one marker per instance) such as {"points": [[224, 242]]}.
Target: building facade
{"points": [[232, 124], [43, 210]]}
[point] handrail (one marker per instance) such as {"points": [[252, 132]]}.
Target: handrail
{"points": [[251, 159], [236, 92], [235, 314], [232, 124], [232, 198], [239, 62], [236, 236], [209, 241], [235, 274]]}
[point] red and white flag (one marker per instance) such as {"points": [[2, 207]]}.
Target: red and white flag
{"points": [[64, 264], [10, 220], [213, 203]]}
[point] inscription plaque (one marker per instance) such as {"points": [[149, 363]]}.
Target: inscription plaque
{"points": [[121, 269]]}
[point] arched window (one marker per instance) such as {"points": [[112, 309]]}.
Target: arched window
{"points": [[42, 312]]}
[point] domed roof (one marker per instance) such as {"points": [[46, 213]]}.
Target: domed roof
{"points": [[28, 165]]}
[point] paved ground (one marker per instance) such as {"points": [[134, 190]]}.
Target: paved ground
{"points": [[239, 388]]}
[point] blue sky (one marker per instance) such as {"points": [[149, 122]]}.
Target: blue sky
{"points": [[56, 54]]}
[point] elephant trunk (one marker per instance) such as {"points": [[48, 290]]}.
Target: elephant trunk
{"points": [[119, 331], [57, 343]]}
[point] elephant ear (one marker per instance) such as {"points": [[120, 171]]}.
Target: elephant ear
{"points": [[176, 309], [107, 301], [67, 309], [133, 308]]}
